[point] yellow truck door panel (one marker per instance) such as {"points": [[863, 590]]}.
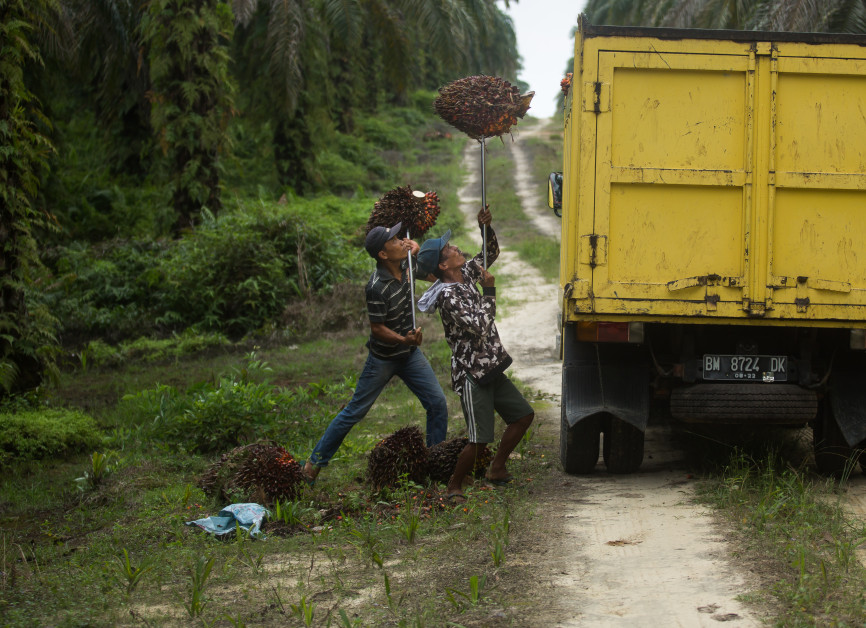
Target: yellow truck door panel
{"points": [[716, 179], [817, 260], [669, 189]]}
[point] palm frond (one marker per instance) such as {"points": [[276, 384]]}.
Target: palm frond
{"points": [[285, 36], [390, 27], [344, 18], [244, 10]]}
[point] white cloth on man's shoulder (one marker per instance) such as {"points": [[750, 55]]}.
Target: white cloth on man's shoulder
{"points": [[427, 302]]}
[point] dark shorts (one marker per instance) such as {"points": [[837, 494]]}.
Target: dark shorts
{"points": [[479, 403]]}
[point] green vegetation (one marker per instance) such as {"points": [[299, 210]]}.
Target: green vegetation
{"points": [[44, 433], [794, 526], [191, 96], [135, 558], [510, 220], [768, 15], [26, 330]]}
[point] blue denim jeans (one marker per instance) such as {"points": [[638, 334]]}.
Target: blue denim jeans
{"points": [[416, 372]]}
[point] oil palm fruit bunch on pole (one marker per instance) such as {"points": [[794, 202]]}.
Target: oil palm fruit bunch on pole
{"points": [[403, 454], [262, 471], [482, 106], [415, 209]]}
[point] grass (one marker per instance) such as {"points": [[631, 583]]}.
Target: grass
{"points": [[790, 527], [121, 550], [509, 218]]}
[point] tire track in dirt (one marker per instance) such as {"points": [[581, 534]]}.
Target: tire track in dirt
{"points": [[616, 550]]}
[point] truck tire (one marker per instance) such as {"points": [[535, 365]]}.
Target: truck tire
{"points": [[777, 404], [833, 455], [578, 444], [623, 447]]}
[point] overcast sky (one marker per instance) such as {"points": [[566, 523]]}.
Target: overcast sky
{"points": [[544, 41]]}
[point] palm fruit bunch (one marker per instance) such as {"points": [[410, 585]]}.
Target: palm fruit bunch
{"points": [[263, 469], [443, 459], [482, 460], [481, 106], [565, 84], [402, 454], [415, 209]]}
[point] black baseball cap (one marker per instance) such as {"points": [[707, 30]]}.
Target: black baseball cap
{"points": [[378, 236]]}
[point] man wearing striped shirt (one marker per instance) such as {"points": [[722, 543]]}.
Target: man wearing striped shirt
{"points": [[393, 350]]}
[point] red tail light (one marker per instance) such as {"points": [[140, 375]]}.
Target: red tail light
{"points": [[610, 332]]}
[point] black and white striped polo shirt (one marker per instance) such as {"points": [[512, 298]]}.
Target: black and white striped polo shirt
{"points": [[389, 302]]}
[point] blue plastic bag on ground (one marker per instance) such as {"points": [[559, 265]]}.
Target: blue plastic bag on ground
{"points": [[248, 516]]}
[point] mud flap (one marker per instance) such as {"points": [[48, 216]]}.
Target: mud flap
{"points": [[848, 398], [604, 378]]}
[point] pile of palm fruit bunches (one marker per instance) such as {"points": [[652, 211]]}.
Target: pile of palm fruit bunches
{"points": [[259, 471], [404, 455], [264, 471], [416, 210], [481, 106]]}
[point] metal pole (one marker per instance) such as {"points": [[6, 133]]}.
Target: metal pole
{"points": [[411, 283], [483, 205]]}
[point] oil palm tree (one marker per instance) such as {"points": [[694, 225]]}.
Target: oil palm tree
{"points": [[335, 55], [782, 15], [25, 332], [191, 94]]}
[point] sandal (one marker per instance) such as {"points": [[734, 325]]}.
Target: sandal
{"points": [[500, 481], [456, 498]]}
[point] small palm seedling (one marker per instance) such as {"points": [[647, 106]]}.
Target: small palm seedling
{"points": [[255, 563], [476, 587], [368, 541], [291, 512], [130, 574], [410, 517], [98, 471], [345, 622], [303, 610], [409, 522], [500, 539], [199, 574]]}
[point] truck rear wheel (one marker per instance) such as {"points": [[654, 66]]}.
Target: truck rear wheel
{"points": [[578, 444], [623, 447], [833, 455]]}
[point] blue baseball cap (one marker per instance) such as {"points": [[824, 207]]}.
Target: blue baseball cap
{"points": [[428, 256]]}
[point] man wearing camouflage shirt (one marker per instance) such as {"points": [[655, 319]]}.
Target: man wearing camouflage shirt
{"points": [[478, 359]]}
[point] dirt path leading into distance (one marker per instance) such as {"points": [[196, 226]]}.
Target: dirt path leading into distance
{"points": [[607, 550]]}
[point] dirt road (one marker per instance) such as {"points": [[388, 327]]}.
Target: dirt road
{"points": [[607, 550]]}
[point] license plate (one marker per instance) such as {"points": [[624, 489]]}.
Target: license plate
{"points": [[761, 368]]}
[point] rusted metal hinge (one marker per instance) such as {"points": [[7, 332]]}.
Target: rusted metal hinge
{"points": [[593, 250], [596, 97]]}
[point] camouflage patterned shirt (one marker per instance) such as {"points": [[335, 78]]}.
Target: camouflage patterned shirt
{"points": [[468, 319]]}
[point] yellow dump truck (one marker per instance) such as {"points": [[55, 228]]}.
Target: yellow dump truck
{"points": [[713, 202]]}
